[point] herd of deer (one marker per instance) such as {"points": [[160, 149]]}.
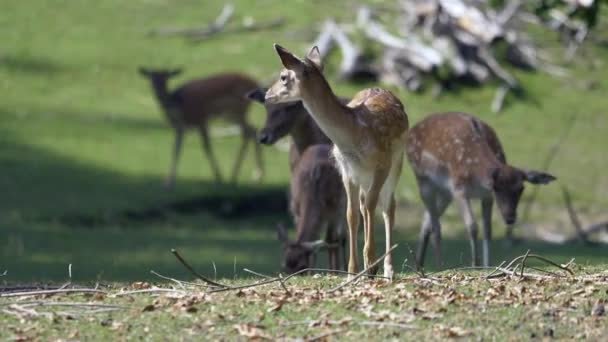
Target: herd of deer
{"points": [[349, 153]]}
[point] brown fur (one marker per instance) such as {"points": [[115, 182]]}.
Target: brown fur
{"points": [[199, 101], [368, 136], [317, 202], [456, 155]]}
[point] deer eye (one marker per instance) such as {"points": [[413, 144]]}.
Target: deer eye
{"points": [[284, 78]]}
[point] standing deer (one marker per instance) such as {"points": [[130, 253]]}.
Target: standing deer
{"points": [[195, 103], [289, 118], [369, 138], [317, 205], [317, 195], [455, 155]]}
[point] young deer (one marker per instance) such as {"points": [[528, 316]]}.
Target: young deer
{"points": [[369, 138], [455, 155], [195, 103], [317, 205], [293, 119]]}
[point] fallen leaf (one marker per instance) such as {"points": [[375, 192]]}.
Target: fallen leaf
{"points": [[140, 285]]}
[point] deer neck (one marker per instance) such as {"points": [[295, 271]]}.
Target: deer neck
{"points": [[163, 96], [333, 118], [304, 133]]}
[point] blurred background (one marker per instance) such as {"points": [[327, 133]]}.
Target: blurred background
{"points": [[85, 148]]}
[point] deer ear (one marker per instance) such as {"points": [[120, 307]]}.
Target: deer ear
{"points": [[314, 55], [288, 59], [257, 94], [538, 177], [282, 233], [314, 246]]}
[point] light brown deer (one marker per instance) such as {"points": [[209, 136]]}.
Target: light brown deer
{"points": [[369, 138], [195, 103], [317, 203], [457, 156]]}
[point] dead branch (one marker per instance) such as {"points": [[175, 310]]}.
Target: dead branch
{"points": [[196, 274], [364, 323], [49, 292], [152, 290], [247, 26], [360, 274]]}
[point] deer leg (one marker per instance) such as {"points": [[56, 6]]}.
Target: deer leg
{"points": [[388, 214], [352, 218], [435, 203], [371, 201], [177, 148], [469, 220], [259, 172], [486, 212], [209, 152], [245, 136]]}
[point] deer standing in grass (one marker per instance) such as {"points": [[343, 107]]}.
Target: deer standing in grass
{"points": [[457, 156], [199, 101], [369, 138], [317, 202], [317, 196]]}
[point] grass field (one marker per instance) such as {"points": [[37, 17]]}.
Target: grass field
{"points": [[84, 151], [83, 145]]}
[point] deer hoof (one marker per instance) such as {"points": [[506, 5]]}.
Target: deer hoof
{"points": [[388, 272]]}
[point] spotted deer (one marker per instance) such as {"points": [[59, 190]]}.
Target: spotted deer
{"points": [[195, 103], [458, 156], [369, 140], [317, 203]]}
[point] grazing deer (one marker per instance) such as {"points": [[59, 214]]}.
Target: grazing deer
{"points": [[369, 138], [317, 205], [289, 118], [455, 155], [195, 103]]}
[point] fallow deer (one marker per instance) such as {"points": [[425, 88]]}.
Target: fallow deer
{"points": [[293, 119], [458, 156], [369, 140], [195, 103], [317, 203]]}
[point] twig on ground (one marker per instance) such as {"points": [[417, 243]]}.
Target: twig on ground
{"points": [[360, 274], [257, 273], [49, 292], [523, 263], [282, 282], [178, 282], [4, 273], [365, 323], [196, 274], [153, 290], [72, 304]]}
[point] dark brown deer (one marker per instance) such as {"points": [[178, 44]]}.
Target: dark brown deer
{"points": [[369, 139], [195, 103], [289, 119], [317, 203], [458, 156]]}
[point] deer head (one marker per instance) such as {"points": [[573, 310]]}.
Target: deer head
{"points": [[279, 117], [296, 77], [297, 255], [508, 186], [159, 75]]}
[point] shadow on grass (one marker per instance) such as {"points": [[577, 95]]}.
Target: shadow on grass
{"points": [[220, 229], [29, 65]]}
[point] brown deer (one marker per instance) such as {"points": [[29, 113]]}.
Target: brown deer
{"points": [[369, 139], [317, 205], [289, 118], [456, 155], [199, 101]]}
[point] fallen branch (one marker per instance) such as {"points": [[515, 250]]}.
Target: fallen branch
{"points": [[153, 290], [196, 274], [364, 323], [49, 292], [360, 274]]}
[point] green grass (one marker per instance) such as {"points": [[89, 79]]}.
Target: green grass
{"points": [[82, 138]]}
